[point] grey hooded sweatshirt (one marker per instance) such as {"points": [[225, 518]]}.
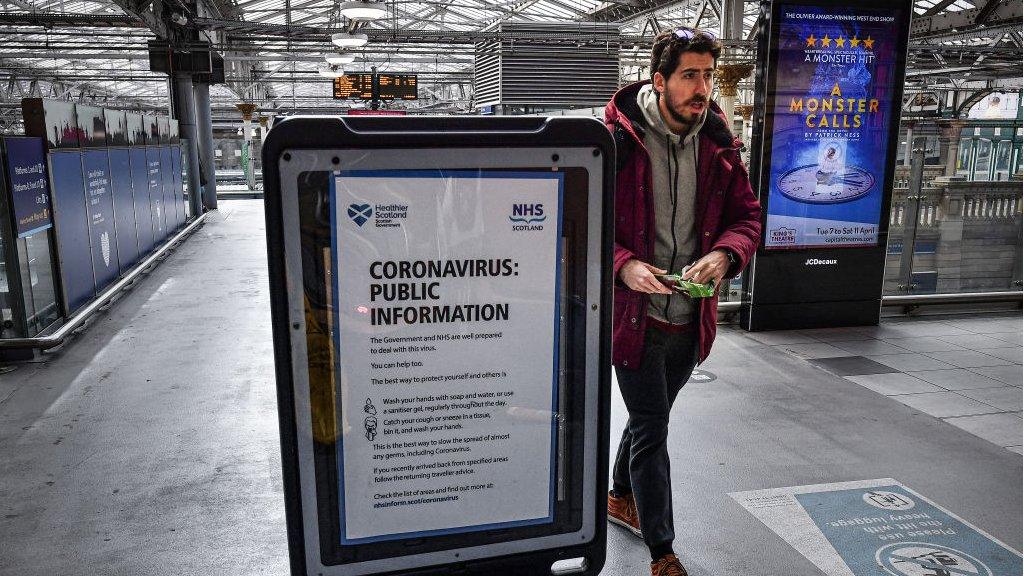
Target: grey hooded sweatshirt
{"points": [[674, 171]]}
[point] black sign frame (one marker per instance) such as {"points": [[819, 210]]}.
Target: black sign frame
{"points": [[430, 134]]}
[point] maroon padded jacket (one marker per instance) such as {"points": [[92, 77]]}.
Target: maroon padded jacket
{"points": [[728, 216]]}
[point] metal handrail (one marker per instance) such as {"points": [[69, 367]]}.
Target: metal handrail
{"points": [[58, 337], [963, 298], [922, 299]]}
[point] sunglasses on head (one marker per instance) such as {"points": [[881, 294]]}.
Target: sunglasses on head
{"points": [[689, 34]]}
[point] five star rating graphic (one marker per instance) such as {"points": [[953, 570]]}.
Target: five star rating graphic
{"points": [[840, 42]]}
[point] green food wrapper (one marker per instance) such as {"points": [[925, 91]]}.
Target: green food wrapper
{"points": [[693, 289]]}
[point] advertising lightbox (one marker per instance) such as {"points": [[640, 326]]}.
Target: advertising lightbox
{"points": [[827, 104], [829, 120]]}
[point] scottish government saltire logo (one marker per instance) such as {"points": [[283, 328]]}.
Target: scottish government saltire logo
{"points": [[360, 213]]}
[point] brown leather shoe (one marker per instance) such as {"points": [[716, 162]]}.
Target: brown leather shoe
{"points": [[622, 511], [668, 565]]}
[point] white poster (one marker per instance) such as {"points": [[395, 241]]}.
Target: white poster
{"points": [[446, 323]]}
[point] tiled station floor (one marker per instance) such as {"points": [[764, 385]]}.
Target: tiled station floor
{"points": [[964, 370], [149, 445]]}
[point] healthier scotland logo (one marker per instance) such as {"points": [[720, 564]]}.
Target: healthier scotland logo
{"points": [[360, 213]]}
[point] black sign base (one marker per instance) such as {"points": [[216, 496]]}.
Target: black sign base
{"points": [[810, 315]]}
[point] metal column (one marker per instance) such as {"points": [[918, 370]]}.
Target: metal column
{"points": [[910, 216], [183, 107], [206, 154]]}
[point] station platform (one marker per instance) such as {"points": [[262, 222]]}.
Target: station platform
{"points": [[149, 443]]}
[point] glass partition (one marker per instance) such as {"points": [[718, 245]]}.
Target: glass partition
{"points": [[1002, 169], [982, 159], [37, 281], [963, 159], [6, 313]]}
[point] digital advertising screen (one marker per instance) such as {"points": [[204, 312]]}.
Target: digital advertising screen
{"points": [[833, 99]]}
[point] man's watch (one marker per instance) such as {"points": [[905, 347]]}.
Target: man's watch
{"points": [[732, 257]]}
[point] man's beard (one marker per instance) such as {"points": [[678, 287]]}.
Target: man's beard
{"points": [[678, 116]]}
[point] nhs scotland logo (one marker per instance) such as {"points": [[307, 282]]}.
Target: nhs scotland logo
{"points": [[360, 213], [527, 217]]}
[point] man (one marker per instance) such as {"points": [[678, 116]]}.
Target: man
{"points": [[683, 197]]}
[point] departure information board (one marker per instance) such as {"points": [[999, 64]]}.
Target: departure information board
{"points": [[367, 86], [396, 86], [355, 86]]}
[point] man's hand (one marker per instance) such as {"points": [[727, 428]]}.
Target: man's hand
{"points": [[640, 276], [711, 267]]}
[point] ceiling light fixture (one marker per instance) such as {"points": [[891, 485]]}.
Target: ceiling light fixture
{"points": [[337, 58], [331, 72], [362, 10], [346, 40]]}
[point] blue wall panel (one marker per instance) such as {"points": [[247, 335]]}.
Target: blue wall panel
{"points": [[179, 190], [72, 223], [140, 191], [156, 193], [124, 207], [96, 167], [172, 205]]}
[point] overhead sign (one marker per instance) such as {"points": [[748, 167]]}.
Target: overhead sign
{"points": [[28, 184], [382, 86], [356, 86], [828, 122], [878, 527], [442, 338], [397, 87]]}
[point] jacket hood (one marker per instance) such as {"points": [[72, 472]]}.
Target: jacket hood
{"points": [[624, 111]]}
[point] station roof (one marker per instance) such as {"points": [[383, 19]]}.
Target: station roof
{"points": [[97, 49]]}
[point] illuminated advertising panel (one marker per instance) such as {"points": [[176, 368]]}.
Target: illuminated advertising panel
{"points": [[832, 102]]}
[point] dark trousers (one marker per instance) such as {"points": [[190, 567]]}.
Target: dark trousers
{"points": [[642, 463]]}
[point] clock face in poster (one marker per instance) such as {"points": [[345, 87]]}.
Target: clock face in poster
{"points": [[816, 184]]}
